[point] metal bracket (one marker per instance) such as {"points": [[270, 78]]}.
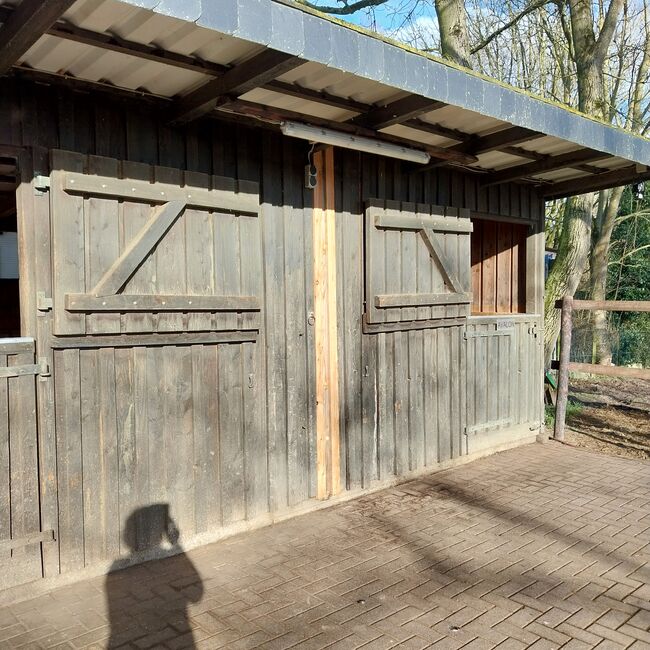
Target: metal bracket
{"points": [[41, 183], [43, 303], [44, 367]]}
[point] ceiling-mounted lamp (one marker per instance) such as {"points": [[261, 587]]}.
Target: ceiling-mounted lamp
{"points": [[355, 142]]}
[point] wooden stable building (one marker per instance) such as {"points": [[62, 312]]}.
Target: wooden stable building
{"points": [[264, 260]]}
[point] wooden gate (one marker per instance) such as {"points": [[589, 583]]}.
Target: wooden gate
{"points": [[503, 374], [20, 532]]}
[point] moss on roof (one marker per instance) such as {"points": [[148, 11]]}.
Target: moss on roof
{"points": [[299, 4]]}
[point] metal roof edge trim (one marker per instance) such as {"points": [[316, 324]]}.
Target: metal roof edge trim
{"points": [[300, 30]]}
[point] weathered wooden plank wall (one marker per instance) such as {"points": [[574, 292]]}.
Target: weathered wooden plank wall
{"points": [[226, 432], [405, 398], [19, 498]]}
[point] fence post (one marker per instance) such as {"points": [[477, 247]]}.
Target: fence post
{"points": [[563, 371]]}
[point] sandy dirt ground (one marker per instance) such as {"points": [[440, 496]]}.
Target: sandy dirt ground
{"points": [[611, 416]]}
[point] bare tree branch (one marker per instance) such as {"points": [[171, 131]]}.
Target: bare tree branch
{"points": [[511, 23], [346, 8], [608, 28]]}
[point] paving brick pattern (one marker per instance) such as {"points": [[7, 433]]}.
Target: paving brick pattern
{"points": [[541, 547]]}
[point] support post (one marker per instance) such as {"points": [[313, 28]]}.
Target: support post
{"points": [[563, 371], [328, 462]]}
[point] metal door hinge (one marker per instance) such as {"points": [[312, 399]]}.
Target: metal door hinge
{"points": [[533, 330], [41, 183], [43, 302], [44, 368]]}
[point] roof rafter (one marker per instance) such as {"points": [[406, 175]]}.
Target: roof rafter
{"points": [[252, 73], [397, 112], [26, 24], [504, 138], [570, 159], [614, 178]]}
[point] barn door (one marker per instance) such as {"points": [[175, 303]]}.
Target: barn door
{"points": [[158, 376], [417, 265], [134, 249], [20, 532]]}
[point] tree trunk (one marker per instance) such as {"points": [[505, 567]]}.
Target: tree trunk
{"points": [[569, 265], [589, 52], [454, 39], [598, 279]]}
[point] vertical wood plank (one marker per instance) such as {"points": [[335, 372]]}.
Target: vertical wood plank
{"points": [[69, 466], [23, 464], [134, 215], [296, 323], [200, 252], [504, 268], [274, 309], [102, 241], [233, 502], [171, 259], [205, 429], [67, 244], [325, 308]]}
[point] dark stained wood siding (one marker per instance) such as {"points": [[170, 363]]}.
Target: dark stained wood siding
{"points": [[225, 432], [406, 395]]}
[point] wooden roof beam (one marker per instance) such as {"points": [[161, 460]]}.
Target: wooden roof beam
{"points": [[551, 163], [495, 141], [397, 112], [252, 73], [26, 24], [615, 178], [273, 114]]}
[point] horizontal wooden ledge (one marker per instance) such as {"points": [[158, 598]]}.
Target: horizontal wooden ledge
{"points": [[488, 426], [19, 371], [421, 299], [448, 224], [609, 371], [84, 302], [612, 305], [242, 198], [16, 345], [407, 326], [20, 542], [153, 339]]}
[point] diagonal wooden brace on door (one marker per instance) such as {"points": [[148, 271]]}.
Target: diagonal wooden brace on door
{"points": [[134, 255], [434, 290], [441, 261]]}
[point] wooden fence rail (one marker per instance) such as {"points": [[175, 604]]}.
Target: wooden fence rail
{"points": [[564, 366]]}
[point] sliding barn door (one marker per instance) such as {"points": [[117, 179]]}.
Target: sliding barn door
{"points": [[159, 382]]}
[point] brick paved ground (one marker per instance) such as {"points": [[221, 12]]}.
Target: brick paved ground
{"points": [[541, 547]]}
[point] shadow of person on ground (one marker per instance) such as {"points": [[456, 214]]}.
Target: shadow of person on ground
{"points": [[148, 603]]}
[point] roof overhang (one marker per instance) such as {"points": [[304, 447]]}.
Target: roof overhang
{"points": [[270, 61]]}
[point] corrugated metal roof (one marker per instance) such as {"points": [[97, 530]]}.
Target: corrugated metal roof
{"points": [[339, 60]]}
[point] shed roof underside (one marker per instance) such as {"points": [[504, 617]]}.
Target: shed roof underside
{"points": [[269, 61]]}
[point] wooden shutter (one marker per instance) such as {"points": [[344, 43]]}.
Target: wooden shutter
{"points": [[417, 264], [142, 249]]}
